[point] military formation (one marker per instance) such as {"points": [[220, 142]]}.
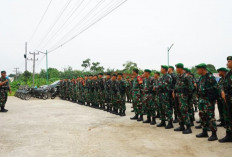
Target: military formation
{"points": [[167, 96]]}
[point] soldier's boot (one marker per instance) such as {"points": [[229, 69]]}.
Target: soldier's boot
{"points": [[148, 120], [123, 113], [198, 121], [101, 107], [222, 124], [3, 109], [213, 137], [105, 108], [227, 138], [140, 118], [111, 110], [170, 125], [198, 127], [175, 120], [118, 113], [153, 121], [196, 109], [203, 134], [158, 115], [181, 128], [191, 121], [188, 130], [88, 104], [135, 117], [162, 124]]}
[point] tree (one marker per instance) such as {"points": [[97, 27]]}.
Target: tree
{"points": [[129, 66], [86, 63], [96, 67]]}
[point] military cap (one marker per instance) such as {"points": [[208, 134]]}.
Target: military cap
{"points": [[120, 74], [136, 70], [114, 75], [3, 72], [180, 65], [222, 69], [202, 65], [164, 67], [147, 70], [100, 74], [171, 67], [229, 58], [158, 73]]}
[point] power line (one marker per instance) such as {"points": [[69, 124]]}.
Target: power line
{"points": [[86, 27], [36, 28], [52, 26]]}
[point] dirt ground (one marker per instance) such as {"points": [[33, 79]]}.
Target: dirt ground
{"points": [[57, 128]]}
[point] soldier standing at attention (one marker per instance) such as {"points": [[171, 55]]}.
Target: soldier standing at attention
{"points": [[101, 91], [165, 89], [136, 94], [108, 84], [121, 85], [155, 97], [128, 88], [183, 87], [227, 96], [206, 87], [4, 88], [220, 101], [114, 107], [173, 102]]}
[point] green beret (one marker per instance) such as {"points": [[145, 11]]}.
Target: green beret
{"points": [[120, 74], [3, 72], [202, 65], [147, 70], [229, 58], [180, 65], [164, 67], [222, 69], [136, 70], [171, 67], [100, 74], [158, 73]]}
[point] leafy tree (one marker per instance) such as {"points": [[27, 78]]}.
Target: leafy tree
{"points": [[129, 66], [86, 63], [95, 67]]}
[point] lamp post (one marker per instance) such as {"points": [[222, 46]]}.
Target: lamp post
{"points": [[169, 48], [46, 53]]}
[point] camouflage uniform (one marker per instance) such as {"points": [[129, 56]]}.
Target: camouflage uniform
{"points": [[100, 93], [136, 94], [114, 95], [220, 101], [148, 105], [172, 100], [128, 91], [121, 92], [155, 96], [3, 92], [108, 94]]}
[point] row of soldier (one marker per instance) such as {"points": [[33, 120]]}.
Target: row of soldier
{"points": [[170, 97]]}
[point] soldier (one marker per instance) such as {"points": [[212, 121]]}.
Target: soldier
{"points": [[121, 89], [4, 88], [173, 102], [136, 95], [155, 97], [114, 107], [220, 101], [101, 89], [87, 90], [108, 83], [226, 94], [95, 92], [148, 105], [183, 87], [128, 89], [165, 89], [206, 89]]}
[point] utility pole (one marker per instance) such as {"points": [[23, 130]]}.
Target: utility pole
{"points": [[25, 56], [169, 48], [46, 53], [16, 73], [33, 59]]}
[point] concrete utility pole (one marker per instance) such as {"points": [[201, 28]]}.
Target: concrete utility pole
{"points": [[25, 56], [46, 53], [33, 59], [169, 48], [16, 73]]}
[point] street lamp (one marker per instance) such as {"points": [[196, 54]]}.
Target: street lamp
{"points": [[169, 48], [46, 53]]}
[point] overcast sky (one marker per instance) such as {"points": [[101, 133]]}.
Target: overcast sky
{"points": [[138, 31]]}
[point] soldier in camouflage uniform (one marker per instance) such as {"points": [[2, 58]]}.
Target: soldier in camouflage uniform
{"points": [[4, 88], [95, 92], [226, 93], [136, 95], [165, 89], [183, 87], [121, 92], [207, 86], [155, 97], [128, 89], [114, 95], [101, 99], [173, 101], [108, 84], [220, 101]]}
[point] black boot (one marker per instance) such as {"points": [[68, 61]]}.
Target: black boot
{"points": [[213, 137], [148, 120], [140, 118], [162, 124], [153, 121], [175, 120], [123, 113], [191, 122], [118, 113], [227, 138], [198, 127], [188, 130], [158, 115], [169, 126], [135, 117], [181, 128], [3, 109], [203, 134]]}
